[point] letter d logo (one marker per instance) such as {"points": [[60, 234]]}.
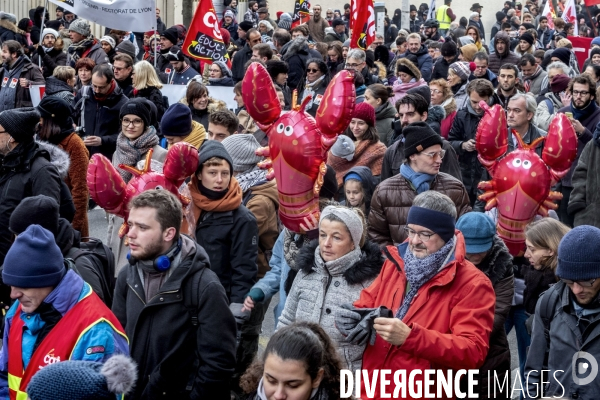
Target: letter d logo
{"points": [[582, 368]]}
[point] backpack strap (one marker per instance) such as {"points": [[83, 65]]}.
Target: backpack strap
{"points": [[550, 105], [191, 297], [548, 304]]}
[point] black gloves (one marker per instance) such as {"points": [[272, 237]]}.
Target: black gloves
{"points": [[40, 50], [356, 324]]}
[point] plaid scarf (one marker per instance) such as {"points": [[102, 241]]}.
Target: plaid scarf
{"points": [[129, 152], [76, 50], [252, 178]]}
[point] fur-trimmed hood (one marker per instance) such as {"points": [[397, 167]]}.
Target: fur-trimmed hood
{"points": [[408, 64], [449, 106], [58, 157], [498, 262], [6, 24], [367, 268], [297, 46], [436, 114]]}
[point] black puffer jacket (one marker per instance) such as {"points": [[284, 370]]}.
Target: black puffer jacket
{"points": [[296, 53], [239, 61], [175, 359], [536, 283], [50, 60], [155, 96]]}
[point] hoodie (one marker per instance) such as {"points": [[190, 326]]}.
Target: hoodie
{"points": [[498, 59], [56, 87], [368, 182]]}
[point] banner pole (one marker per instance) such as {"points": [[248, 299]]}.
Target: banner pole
{"points": [[154, 45], [42, 30], [591, 20]]}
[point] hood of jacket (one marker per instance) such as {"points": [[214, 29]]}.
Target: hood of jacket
{"points": [[267, 189], [367, 268], [58, 157], [6, 24], [368, 182], [296, 46], [465, 40], [21, 158], [55, 85], [67, 237], [436, 114], [498, 261], [386, 110], [501, 35], [412, 67], [449, 106], [66, 294]]}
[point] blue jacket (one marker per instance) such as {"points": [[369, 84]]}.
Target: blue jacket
{"points": [[425, 62], [64, 297], [183, 78], [489, 75]]}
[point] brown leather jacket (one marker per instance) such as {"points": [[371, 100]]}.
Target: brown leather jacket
{"points": [[394, 197]]}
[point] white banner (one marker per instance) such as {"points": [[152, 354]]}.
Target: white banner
{"points": [[126, 15]]}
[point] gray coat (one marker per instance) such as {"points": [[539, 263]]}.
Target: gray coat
{"points": [[317, 294], [568, 335]]}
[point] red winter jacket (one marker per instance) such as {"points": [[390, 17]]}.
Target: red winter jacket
{"points": [[451, 317]]}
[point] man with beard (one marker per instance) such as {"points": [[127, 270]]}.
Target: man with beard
{"points": [[84, 45], [173, 307], [414, 108], [431, 30], [242, 32], [425, 63], [507, 81], [243, 55], [168, 39], [532, 74], [502, 54], [181, 72], [585, 116], [17, 74], [415, 23], [442, 305], [317, 24], [462, 134]]}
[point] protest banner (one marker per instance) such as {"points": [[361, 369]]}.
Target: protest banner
{"points": [[203, 40]]}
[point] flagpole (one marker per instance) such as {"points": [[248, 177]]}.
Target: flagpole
{"points": [[154, 45], [591, 20]]}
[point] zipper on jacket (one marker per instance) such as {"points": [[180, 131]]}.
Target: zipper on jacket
{"points": [[136, 293]]}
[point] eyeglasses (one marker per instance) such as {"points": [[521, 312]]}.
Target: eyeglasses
{"points": [[118, 69], [423, 236], [348, 65], [433, 155], [578, 93], [589, 283], [312, 70], [436, 91], [214, 70], [135, 122]]}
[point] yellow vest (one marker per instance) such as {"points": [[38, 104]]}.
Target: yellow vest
{"points": [[442, 17]]}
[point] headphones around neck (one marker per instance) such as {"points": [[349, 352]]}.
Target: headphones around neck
{"points": [[162, 262]]}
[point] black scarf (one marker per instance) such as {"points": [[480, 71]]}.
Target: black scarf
{"points": [[211, 194]]}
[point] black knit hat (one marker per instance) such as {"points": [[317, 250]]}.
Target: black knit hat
{"points": [[138, 109], [245, 25], [171, 35], [528, 37], [177, 121], [213, 148], [418, 136], [175, 54], [413, 7], [449, 49], [40, 209], [151, 109], [20, 123], [57, 109]]}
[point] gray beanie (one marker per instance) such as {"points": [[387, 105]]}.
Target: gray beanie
{"points": [[126, 47], [210, 149], [224, 68], [20, 123], [242, 149], [285, 21], [11, 17], [80, 26], [343, 148], [351, 220]]}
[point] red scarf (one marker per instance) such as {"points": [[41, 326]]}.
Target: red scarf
{"points": [[102, 97]]}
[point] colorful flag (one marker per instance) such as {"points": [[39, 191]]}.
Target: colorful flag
{"points": [[431, 12], [203, 40], [549, 13], [362, 24], [301, 13], [570, 15]]}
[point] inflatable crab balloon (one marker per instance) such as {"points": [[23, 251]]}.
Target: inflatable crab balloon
{"points": [[521, 179], [298, 144], [110, 192]]}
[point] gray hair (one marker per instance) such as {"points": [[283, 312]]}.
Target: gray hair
{"points": [[559, 65], [357, 54], [473, 15], [267, 24], [378, 36], [436, 201], [530, 103]]}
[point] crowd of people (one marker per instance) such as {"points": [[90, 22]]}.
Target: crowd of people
{"points": [[404, 268]]}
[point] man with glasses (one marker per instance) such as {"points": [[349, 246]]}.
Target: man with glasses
{"points": [[442, 305], [123, 69], [566, 333], [420, 172], [100, 115], [357, 60]]}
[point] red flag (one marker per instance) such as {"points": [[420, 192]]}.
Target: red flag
{"points": [[301, 13], [203, 40], [362, 24], [591, 2]]}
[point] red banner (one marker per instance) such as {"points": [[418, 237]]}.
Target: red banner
{"points": [[362, 24], [301, 13], [581, 48], [591, 2], [203, 40]]}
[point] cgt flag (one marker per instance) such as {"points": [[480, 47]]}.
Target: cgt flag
{"points": [[301, 12], [362, 24], [570, 15], [203, 40]]}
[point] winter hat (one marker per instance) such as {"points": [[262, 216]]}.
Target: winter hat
{"points": [[229, 14], [595, 50], [366, 112], [213, 148], [478, 230], [441, 223], [564, 42], [500, 16], [177, 121], [351, 219], [595, 41], [337, 22], [285, 21], [50, 31], [84, 380], [8, 16], [262, 10], [462, 69], [417, 137], [330, 185], [57, 109], [126, 47], [224, 68], [423, 91], [110, 40], [559, 83], [226, 36], [34, 260], [20, 123], [171, 35], [449, 49], [563, 54], [242, 149], [40, 209], [413, 7], [54, 24], [578, 260], [278, 13], [175, 54], [138, 109], [246, 26], [468, 51], [343, 147], [80, 26], [528, 37]]}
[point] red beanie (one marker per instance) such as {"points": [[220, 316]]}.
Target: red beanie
{"points": [[279, 14], [366, 112], [226, 36]]}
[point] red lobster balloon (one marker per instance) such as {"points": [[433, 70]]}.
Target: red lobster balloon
{"points": [[298, 144], [521, 180], [110, 192]]}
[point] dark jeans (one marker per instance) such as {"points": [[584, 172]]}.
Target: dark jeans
{"points": [[563, 215], [517, 317]]}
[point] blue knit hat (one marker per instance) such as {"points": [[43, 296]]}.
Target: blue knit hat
{"points": [[596, 41], [478, 230], [578, 257], [177, 121], [34, 260]]}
